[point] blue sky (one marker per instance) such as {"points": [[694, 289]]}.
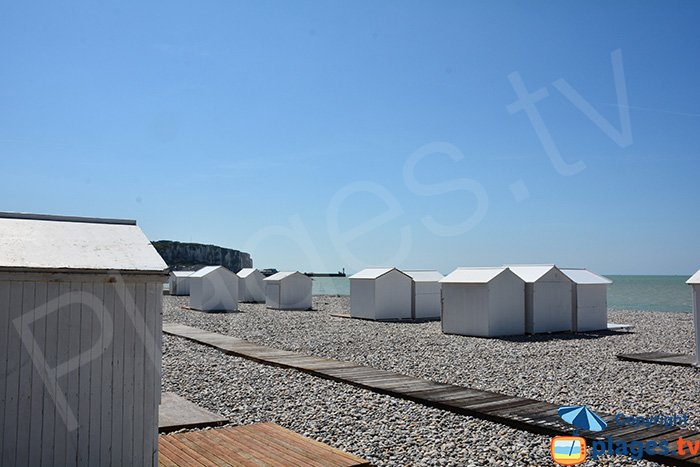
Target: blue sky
{"points": [[289, 129]]}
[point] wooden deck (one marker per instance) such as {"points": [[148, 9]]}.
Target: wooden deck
{"points": [[520, 413], [176, 413], [660, 358], [261, 444]]}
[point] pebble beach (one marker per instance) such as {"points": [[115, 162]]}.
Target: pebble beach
{"points": [[559, 368]]}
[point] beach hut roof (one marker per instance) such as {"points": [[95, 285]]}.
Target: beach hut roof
{"points": [[585, 277], [281, 275], [182, 273], [423, 275], [245, 272], [530, 272], [694, 279], [472, 275], [372, 273], [57, 243], [205, 271]]}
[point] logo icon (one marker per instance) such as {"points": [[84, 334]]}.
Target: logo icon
{"points": [[568, 450], [571, 450], [581, 417]]}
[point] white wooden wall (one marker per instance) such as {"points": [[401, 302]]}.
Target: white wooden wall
{"points": [[696, 313], [251, 289], [114, 387], [295, 292]]}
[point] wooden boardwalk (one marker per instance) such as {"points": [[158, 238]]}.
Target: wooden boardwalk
{"points": [[259, 445], [520, 413], [389, 320], [660, 358], [176, 413]]}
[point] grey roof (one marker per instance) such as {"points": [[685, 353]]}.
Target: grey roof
{"points": [[530, 272], [585, 277], [694, 279], [423, 275], [38, 242], [472, 275], [206, 270], [245, 272], [281, 275]]}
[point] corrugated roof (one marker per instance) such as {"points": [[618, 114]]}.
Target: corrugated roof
{"points": [[423, 275], [371, 273], [472, 275], [694, 279], [530, 272], [205, 270], [32, 241], [281, 275], [245, 272], [585, 277]]}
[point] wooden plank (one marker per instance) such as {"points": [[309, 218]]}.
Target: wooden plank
{"points": [[262, 444], [311, 446], [5, 354], [62, 355], [73, 375], [86, 317], [178, 452], [107, 364], [508, 403], [223, 453], [139, 355], [464, 404], [158, 338], [255, 451], [150, 404], [214, 450], [165, 457], [26, 374], [95, 367], [350, 372], [117, 447], [206, 457], [660, 358], [443, 394], [520, 412], [38, 329], [176, 413], [50, 355], [129, 373]]}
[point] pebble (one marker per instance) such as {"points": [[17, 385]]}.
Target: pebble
{"points": [[560, 369]]}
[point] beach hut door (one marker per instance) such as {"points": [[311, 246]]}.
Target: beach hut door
{"points": [[274, 295]]}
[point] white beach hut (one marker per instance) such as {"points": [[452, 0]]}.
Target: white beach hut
{"points": [[694, 281], [288, 291], [180, 282], [214, 288], [251, 288], [589, 301], [380, 293], [426, 293], [485, 302], [80, 326], [548, 293]]}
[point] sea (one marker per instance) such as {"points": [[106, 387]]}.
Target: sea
{"points": [[647, 293]]}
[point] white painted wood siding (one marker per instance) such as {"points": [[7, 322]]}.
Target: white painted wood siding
{"points": [[112, 388]]}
